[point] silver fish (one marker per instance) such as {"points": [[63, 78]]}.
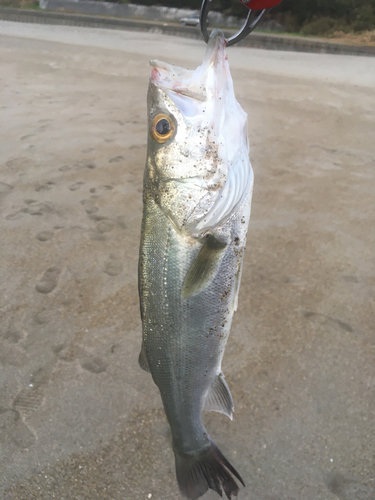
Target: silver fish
{"points": [[197, 194]]}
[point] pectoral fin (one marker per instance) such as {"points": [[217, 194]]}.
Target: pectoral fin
{"points": [[204, 268], [142, 360], [219, 397]]}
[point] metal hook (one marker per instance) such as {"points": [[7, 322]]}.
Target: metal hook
{"points": [[244, 31]]}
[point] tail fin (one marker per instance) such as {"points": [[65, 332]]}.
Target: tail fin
{"points": [[198, 472]]}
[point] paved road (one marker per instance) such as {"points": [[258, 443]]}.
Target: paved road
{"points": [[79, 420]]}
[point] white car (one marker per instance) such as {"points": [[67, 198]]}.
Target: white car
{"points": [[190, 21]]}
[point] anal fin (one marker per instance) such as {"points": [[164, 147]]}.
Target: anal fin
{"points": [[204, 268], [142, 360], [219, 397]]}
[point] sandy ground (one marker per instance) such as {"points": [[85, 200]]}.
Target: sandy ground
{"points": [[79, 420]]}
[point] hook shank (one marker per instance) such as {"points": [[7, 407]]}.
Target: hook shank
{"points": [[247, 28]]}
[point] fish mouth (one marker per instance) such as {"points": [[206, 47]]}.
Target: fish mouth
{"points": [[194, 84], [215, 47]]}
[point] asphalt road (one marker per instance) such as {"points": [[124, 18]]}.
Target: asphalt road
{"points": [[79, 420]]}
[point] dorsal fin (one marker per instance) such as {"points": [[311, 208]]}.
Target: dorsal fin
{"points": [[219, 397], [204, 267]]}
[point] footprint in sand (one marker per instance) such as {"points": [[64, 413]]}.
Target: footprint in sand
{"points": [[44, 187], [41, 208], [17, 215], [97, 217], [15, 428], [28, 399], [5, 189], [93, 364], [91, 209], [24, 137], [113, 266], [12, 334], [64, 168], [116, 159], [76, 186], [44, 235], [83, 164], [41, 318], [31, 397], [11, 354], [49, 280], [105, 226], [63, 352], [92, 235]]}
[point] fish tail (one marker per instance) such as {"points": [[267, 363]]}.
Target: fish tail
{"points": [[208, 469]]}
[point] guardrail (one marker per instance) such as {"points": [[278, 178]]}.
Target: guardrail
{"points": [[255, 40]]}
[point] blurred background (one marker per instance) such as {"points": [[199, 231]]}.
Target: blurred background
{"points": [[339, 19]]}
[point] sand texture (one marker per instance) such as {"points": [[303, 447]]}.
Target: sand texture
{"points": [[79, 420]]}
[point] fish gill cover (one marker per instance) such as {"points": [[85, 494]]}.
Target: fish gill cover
{"points": [[206, 99]]}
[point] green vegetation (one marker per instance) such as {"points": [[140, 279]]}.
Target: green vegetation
{"points": [[318, 17]]}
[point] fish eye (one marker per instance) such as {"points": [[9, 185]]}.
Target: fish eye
{"points": [[162, 128]]}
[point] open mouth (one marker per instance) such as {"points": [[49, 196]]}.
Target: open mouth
{"points": [[196, 84]]}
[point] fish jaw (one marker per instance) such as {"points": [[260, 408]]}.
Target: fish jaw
{"points": [[205, 168]]}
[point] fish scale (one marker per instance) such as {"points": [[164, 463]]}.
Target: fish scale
{"points": [[168, 339]]}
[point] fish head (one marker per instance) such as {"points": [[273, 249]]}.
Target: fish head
{"points": [[198, 166]]}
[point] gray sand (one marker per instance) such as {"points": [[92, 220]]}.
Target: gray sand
{"points": [[79, 420]]}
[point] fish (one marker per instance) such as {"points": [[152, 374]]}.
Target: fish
{"points": [[197, 193]]}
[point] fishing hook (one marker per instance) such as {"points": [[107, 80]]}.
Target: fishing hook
{"points": [[247, 28]]}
